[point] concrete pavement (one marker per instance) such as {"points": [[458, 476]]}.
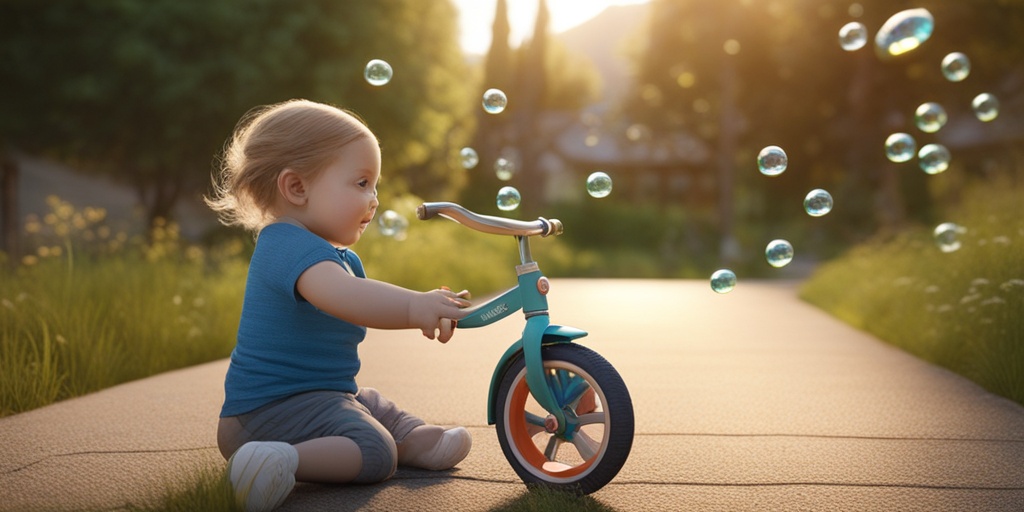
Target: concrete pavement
{"points": [[747, 401]]}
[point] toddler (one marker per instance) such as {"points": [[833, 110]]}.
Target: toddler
{"points": [[303, 175]]}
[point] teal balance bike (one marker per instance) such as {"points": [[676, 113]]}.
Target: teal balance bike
{"points": [[563, 415]]}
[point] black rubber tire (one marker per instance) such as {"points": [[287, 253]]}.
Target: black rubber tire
{"points": [[583, 473]]}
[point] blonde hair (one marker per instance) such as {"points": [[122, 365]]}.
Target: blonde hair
{"points": [[300, 135]]}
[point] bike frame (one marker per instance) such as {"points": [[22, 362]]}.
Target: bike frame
{"points": [[529, 295]]}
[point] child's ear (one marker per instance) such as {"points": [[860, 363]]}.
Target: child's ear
{"points": [[292, 187]]}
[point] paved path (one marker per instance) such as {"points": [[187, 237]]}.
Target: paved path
{"points": [[746, 401]]}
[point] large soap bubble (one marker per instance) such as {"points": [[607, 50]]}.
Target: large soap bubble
{"points": [[377, 72], [779, 253], [900, 147], [956, 66], [986, 106], [599, 184], [508, 199], [469, 157], [392, 224], [723, 281], [853, 36], [930, 117], [947, 236], [933, 158], [772, 161], [903, 32], [494, 101], [818, 202], [504, 169]]}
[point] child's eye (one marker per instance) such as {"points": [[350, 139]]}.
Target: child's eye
{"points": [[363, 183]]}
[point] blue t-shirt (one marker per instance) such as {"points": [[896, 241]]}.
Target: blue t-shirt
{"points": [[285, 345]]}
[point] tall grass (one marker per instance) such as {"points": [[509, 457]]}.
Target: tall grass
{"points": [[962, 309], [83, 312]]}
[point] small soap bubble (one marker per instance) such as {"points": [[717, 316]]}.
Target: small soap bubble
{"points": [[779, 253], [509, 199], [469, 157], [947, 236], [933, 158], [772, 161], [504, 169], [818, 202], [930, 117], [377, 72], [494, 101], [900, 147], [956, 66], [986, 106], [853, 36], [903, 32], [599, 184], [392, 224], [723, 281]]}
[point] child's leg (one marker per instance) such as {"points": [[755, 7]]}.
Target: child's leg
{"points": [[337, 438], [419, 444], [332, 459]]}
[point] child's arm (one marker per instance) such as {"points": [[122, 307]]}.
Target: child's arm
{"points": [[377, 304]]}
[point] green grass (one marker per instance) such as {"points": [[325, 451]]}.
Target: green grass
{"points": [[90, 309], [961, 309], [208, 491]]}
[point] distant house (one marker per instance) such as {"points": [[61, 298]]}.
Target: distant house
{"points": [[644, 167]]}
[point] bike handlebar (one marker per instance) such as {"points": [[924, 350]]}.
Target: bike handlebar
{"points": [[489, 224]]}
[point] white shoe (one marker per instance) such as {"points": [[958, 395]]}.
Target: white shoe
{"points": [[453, 446], [262, 473]]}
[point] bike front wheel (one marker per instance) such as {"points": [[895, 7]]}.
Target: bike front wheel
{"points": [[599, 431]]}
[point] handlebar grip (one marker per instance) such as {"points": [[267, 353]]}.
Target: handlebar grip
{"points": [[427, 211]]}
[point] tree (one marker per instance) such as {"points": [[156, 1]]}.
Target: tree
{"points": [[148, 91], [778, 66]]}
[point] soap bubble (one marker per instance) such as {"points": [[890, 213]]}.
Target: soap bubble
{"points": [[986, 106], [599, 184], [779, 253], [956, 66], [903, 32], [933, 158], [772, 161], [900, 147], [377, 72], [469, 157], [930, 117], [853, 36], [818, 202], [392, 224], [509, 199], [723, 281], [504, 169], [947, 236], [494, 101]]}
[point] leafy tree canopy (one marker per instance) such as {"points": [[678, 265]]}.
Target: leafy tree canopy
{"points": [[149, 90]]}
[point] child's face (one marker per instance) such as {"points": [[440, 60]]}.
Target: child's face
{"points": [[343, 198]]}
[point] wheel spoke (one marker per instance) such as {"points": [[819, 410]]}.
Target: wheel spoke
{"points": [[585, 445], [552, 449], [574, 390], [591, 418], [534, 423]]}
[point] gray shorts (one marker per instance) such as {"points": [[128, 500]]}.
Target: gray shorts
{"points": [[372, 421]]}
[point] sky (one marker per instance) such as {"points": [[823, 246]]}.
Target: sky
{"points": [[477, 16]]}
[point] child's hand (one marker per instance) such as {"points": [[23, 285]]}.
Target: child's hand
{"points": [[447, 326], [438, 310]]}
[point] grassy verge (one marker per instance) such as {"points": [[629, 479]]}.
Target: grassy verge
{"points": [[960, 309], [91, 309]]}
